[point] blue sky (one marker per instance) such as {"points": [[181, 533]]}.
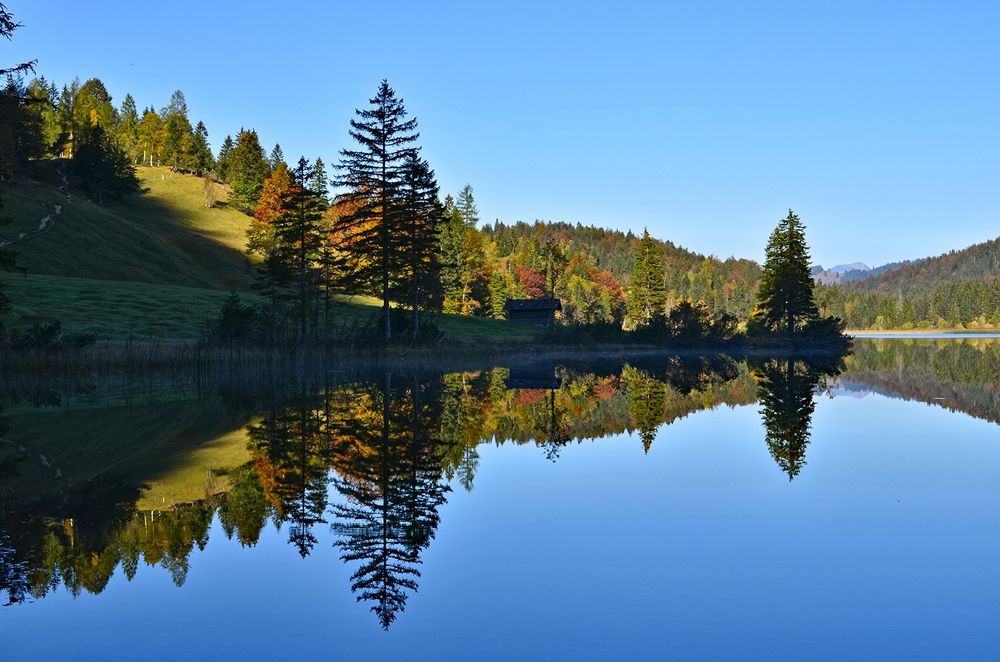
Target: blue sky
{"points": [[879, 123]]}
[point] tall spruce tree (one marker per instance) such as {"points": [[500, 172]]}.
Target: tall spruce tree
{"points": [[320, 183], [785, 302], [225, 158], [467, 207], [201, 153], [419, 235], [277, 156], [247, 170], [102, 166], [452, 256], [299, 242], [127, 131], [373, 175], [647, 297]]}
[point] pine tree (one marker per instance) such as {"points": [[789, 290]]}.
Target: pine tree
{"points": [[452, 256], [467, 207], [225, 158], [128, 129], [373, 174], [785, 302], [320, 181], [277, 156], [419, 235], [500, 291], [201, 160], [102, 166], [247, 170], [647, 297], [299, 241]]}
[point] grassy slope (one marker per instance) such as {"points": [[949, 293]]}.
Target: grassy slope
{"points": [[157, 265], [166, 236]]}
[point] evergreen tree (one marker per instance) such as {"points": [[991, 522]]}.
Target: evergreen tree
{"points": [[128, 129], [419, 235], [785, 393], [785, 302], [320, 181], [373, 175], [299, 241], [44, 101], [103, 167], [467, 207], [246, 171], [452, 256], [277, 156], [67, 97], [201, 154], [225, 157], [646, 299], [500, 291]]}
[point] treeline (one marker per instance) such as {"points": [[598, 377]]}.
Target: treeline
{"points": [[49, 121], [972, 305]]}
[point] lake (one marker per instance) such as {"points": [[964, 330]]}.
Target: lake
{"points": [[651, 507]]}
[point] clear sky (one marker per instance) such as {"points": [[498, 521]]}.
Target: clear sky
{"points": [[878, 122]]}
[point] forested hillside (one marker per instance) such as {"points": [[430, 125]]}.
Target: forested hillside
{"points": [[593, 266], [915, 279], [960, 289]]}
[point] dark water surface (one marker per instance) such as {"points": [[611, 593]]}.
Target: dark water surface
{"points": [[657, 508]]}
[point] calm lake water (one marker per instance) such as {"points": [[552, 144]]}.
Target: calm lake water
{"points": [[652, 508]]}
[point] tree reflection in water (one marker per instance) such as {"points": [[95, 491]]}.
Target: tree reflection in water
{"points": [[786, 389], [372, 459]]}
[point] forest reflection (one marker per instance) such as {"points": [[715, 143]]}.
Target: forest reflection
{"points": [[365, 465]]}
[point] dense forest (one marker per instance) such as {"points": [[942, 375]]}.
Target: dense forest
{"points": [[960, 289]]}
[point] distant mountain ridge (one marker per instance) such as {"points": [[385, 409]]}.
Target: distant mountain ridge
{"points": [[855, 271], [840, 273]]}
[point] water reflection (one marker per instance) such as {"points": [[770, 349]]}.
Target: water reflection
{"points": [[785, 390], [372, 460]]}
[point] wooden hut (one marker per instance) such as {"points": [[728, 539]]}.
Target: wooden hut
{"points": [[540, 312]]}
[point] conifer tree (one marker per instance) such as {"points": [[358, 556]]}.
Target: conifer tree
{"points": [[467, 207], [277, 156], [102, 166], [647, 295], [201, 160], [320, 181], [225, 157], [299, 241], [419, 235], [373, 174], [452, 256], [500, 291], [247, 170], [785, 302], [128, 129]]}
